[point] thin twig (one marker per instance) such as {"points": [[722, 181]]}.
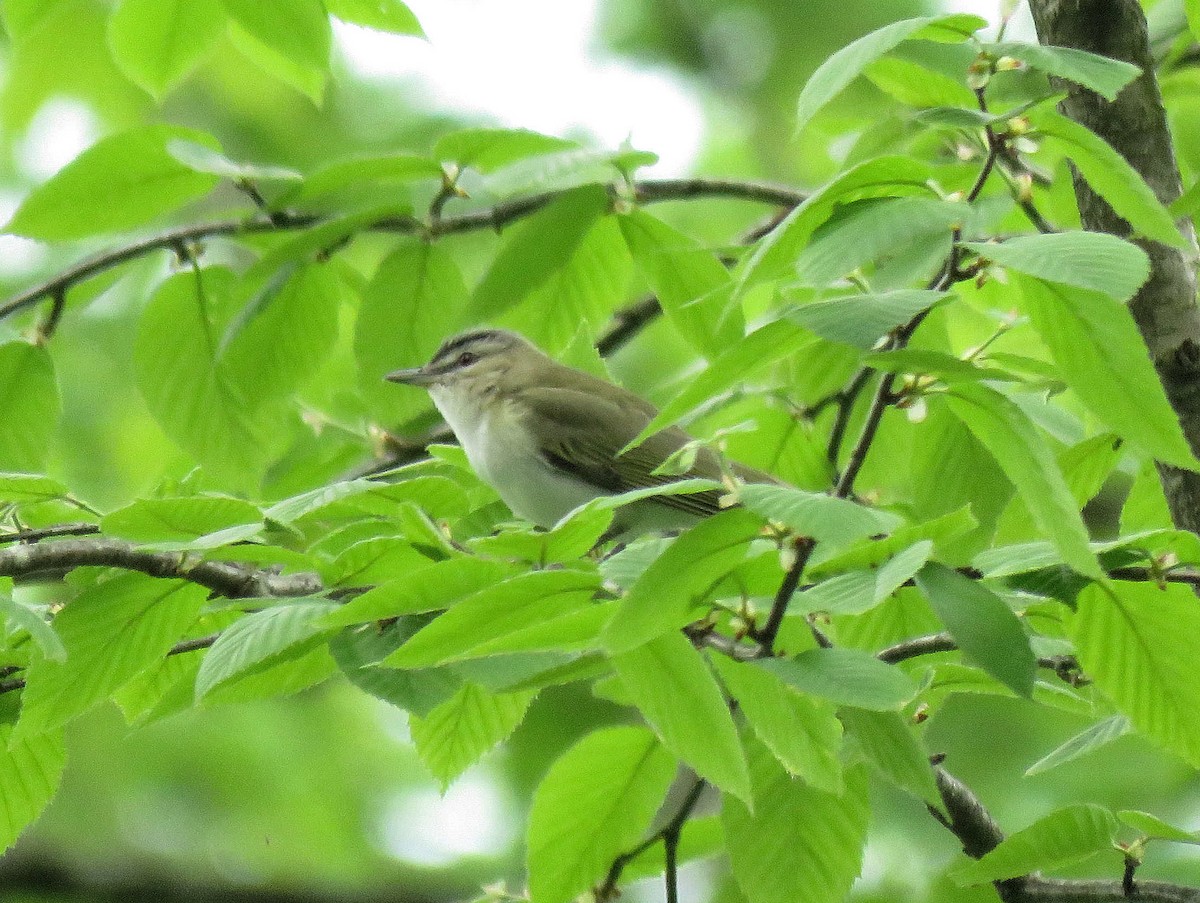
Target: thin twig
{"points": [[803, 548], [608, 889], [79, 528]]}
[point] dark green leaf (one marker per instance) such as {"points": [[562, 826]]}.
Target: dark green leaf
{"points": [[984, 627], [844, 676]]}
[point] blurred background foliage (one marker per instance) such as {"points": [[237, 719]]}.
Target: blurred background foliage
{"points": [[321, 792]]}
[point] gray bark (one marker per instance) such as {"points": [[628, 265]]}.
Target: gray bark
{"points": [[1135, 124]]}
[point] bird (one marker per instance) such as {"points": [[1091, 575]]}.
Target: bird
{"points": [[549, 438]]}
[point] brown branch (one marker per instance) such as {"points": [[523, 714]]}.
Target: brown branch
{"points": [[968, 819], [230, 580], [649, 192], [79, 528]]}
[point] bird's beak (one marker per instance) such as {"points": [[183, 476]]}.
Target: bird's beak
{"points": [[414, 376]]}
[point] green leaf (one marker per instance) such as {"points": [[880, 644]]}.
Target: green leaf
{"points": [[198, 403], [1102, 74], [20, 616], [776, 253], [382, 15], [297, 30], [690, 282], [594, 804], [1003, 429], [439, 585], [819, 835], [871, 553], [984, 627], [157, 43], [1100, 352], [534, 610], [918, 86], [371, 173], [489, 149], [869, 229], [859, 591], [862, 320], [374, 560], [358, 651], [841, 69], [1153, 827], [279, 341], [700, 838], [29, 400], [891, 745], [844, 676], [28, 487], [30, 770], [1061, 839], [663, 597], [536, 248], [1099, 734], [670, 683], [562, 170], [260, 639], [1137, 642], [205, 159], [1090, 260], [825, 518], [456, 734], [184, 520], [112, 632], [763, 347], [1111, 176], [804, 734], [120, 182]]}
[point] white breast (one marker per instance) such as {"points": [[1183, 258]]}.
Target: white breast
{"points": [[503, 454]]}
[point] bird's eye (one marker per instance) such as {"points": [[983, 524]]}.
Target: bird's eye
{"points": [[467, 358]]}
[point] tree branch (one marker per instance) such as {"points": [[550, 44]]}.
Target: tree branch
{"points": [[1135, 124], [230, 580], [649, 192]]}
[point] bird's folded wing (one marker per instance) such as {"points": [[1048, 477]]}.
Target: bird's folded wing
{"points": [[564, 426]]}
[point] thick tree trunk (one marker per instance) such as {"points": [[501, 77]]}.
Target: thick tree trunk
{"points": [[1136, 125]]}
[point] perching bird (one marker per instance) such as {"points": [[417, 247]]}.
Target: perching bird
{"points": [[548, 437]]}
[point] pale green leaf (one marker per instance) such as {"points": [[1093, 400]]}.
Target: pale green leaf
{"points": [[392, 16], [664, 596], [862, 320], [31, 406], [1111, 176], [1154, 827], [803, 733], [112, 632], [536, 248], [204, 159], [157, 43], [844, 676], [670, 683], [19, 616], [891, 745], [183, 520], [30, 770], [819, 835], [841, 69], [593, 805], [1100, 352], [1011, 438], [549, 609], [690, 282], [456, 734], [1104, 75], [1137, 641], [1091, 260], [120, 182], [489, 149], [1063, 838], [825, 518], [259, 639], [1097, 735]]}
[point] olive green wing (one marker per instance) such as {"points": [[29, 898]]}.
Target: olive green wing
{"points": [[564, 424]]}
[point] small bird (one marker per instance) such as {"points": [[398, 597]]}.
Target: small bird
{"points": [[548, 437]]}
